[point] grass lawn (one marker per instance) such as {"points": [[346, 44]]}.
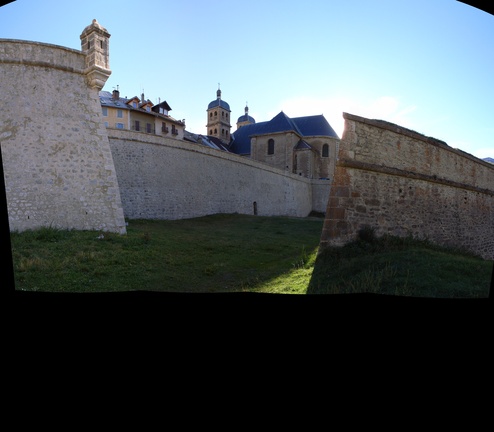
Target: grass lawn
{"points": [[220, 253], [238, 253]]}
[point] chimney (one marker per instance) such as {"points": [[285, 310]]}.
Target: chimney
{"points": [[115, 95]]}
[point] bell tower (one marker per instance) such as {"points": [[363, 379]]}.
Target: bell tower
{"points": [[95, 44], [218, 124]]}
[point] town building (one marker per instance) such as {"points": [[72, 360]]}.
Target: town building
{"points": [[140, 115]]}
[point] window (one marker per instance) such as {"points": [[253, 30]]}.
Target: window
{"points": [[210, 131], [216, 131], [222, 114], [137, 126], [88, 44], [148, 108], [101, 43], [148, 127], [271, 147], [164, 129], [222, 131], [325, 150], [105, 111], [134, 104], [119, 113], [216, 113], [106, 124], [211, 115], [120, 125]]}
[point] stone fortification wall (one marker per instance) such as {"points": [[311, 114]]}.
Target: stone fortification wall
{"points": [[164, 178], [57, 162], [403, 183]]}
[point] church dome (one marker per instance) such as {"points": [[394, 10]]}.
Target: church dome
{"points": [[246, 118], [218, 102]]}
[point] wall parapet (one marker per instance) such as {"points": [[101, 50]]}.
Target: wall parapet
{"points": [[44, 55], [382, 124]]}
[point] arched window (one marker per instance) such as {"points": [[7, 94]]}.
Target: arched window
{"points": [[216, 131], [325, 150], [222, 114], [211, 115], [222, 131], [210, 131], [215, 113], [271, 146]]}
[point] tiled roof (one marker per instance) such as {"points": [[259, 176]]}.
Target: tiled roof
{"points": [[240, 143], [206, 140], [314, 125]]}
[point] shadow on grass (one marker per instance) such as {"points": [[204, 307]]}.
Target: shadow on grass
{"points": [[400, 267]]}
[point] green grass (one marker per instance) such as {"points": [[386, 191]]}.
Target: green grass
{"points": [[220, 253], [239, 253]]}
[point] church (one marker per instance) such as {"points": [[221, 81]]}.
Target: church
{"points": [[306, 146]]}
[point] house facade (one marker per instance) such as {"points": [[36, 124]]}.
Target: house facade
{"points": [[139, 115]]}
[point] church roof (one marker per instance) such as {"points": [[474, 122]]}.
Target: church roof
{"points": [[303, 126], [314, 126]]}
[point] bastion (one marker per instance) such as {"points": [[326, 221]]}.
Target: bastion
{"points": [[57, 163], [399, 182]]}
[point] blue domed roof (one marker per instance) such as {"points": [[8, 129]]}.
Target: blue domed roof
{"points": [[246, 117], [219, 103]]}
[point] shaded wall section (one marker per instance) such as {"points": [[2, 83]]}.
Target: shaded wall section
{"points": [[402, 183]]}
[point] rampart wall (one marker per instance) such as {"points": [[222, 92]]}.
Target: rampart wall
{"points": [[57, 163], [402, 183], [165, 178]]}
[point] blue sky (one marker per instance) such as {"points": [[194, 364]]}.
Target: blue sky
{"points": [[427, 65]]}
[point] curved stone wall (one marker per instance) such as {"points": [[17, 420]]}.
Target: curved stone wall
{"points": [[57, 162]]}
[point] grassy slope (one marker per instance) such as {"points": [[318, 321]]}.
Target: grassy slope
{"points": [[227, 253]]}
